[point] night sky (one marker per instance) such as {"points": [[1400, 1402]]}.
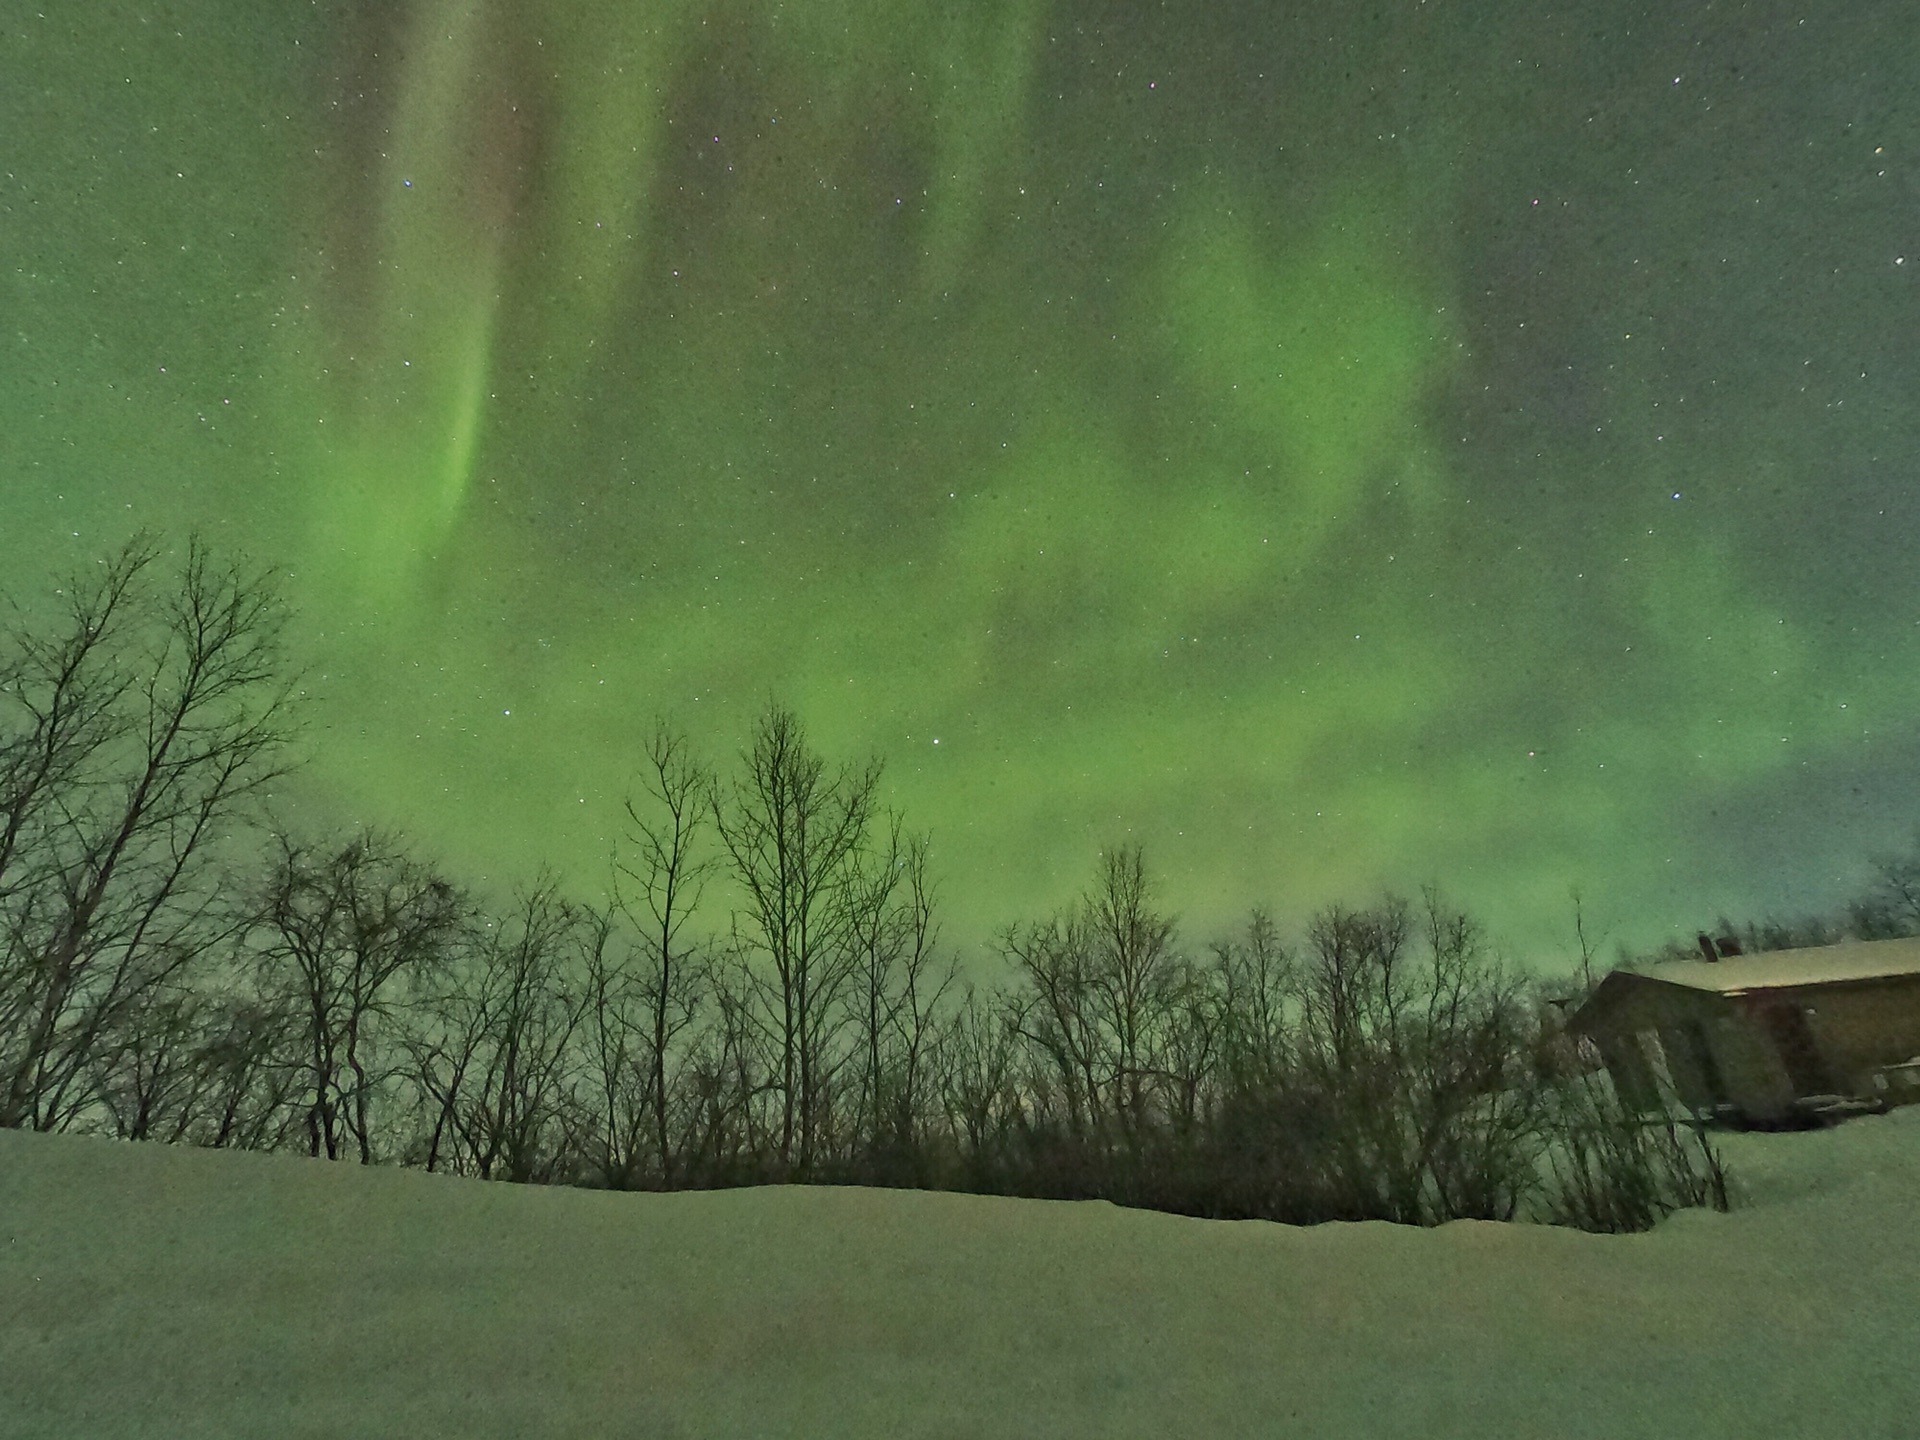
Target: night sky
{"points": [[1333, 446]]}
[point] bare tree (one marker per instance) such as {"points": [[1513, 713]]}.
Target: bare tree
{"points": [[1136, 977], [1059, 1016], [639, 1013], [1355, 990], [1891, 905], [342, 934], [617, 1070], [791, 833], [1471, 1086], [1612, 1173], [131, 739], [202, 1066], [151, 1081], [730, 1132], [1422, 1060], [250, 1057], [892, 934], [1258, 976], [1106, 984], [445, 1034], [500, 1067], [976, 1056], [1195, 1042], [1588, 945], [1356, 986]]}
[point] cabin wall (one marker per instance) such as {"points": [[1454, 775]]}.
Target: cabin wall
{"points": [[1756, 1080], [1757, 1052], [1692, 1067], [1709, 1052], [1633, 1078], [1862, 1029], [1658, 1052], [1718, 1059]]}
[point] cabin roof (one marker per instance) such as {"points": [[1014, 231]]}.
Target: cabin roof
{"points": [[1771, 970], [1853, 960], [1780, 969]]}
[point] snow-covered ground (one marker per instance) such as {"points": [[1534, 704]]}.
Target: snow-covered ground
{"points": [[167, 1292]]}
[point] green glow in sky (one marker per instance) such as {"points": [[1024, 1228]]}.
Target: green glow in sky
{"points": [[1335, 452]]}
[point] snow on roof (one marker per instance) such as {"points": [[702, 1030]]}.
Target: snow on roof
{"points": [[1777, 969]]}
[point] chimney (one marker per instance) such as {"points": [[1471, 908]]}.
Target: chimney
{"points": [[1706, 947]]}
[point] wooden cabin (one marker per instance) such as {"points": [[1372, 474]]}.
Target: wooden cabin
{"points": [[1766, 1040]]}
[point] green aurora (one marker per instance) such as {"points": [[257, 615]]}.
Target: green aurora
{"points": [[1334, 450]]}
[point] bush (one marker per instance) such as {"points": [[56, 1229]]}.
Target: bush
{"points": [[1614, 1171]]}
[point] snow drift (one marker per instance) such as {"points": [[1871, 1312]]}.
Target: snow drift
{"points": [[149, 1290]]}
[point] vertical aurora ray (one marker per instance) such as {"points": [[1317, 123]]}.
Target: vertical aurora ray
{"points": [[982, 60], [417, 351], [534, 136], [611, 71]]}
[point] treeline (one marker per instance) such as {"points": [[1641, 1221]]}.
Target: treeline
{"points": [[764, 999], [1887, 908]]}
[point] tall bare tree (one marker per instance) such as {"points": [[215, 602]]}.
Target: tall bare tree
{"points": [[1193, 998], [1258, 975], [1890, 907], [1472, 1088], [1421, 1056], [342, 934], [640, 1011], [133, 735], [733, 1131], [500, 1068], [1059, 1015], [1106, 984], [151, 1081], [1136, 976], [976, 1056], [203, 1066], [791, 832], [896, 992]]}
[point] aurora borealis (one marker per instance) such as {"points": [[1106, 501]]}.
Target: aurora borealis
{"points": [[1335, 448]]}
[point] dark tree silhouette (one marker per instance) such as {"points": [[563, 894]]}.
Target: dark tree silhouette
{"points": [[895, 998], [1137, 978], [1258, 977], [792, 834], [249, 1056], [340, 934], [1106, 991], [348, 1000], [150, 1079], [977, 1060], [133, 734], [1058, 1016], [639, 1010], [1890, 906], [497, 1060]]}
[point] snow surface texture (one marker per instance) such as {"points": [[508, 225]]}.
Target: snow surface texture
{"points": [[156, 1291]]}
